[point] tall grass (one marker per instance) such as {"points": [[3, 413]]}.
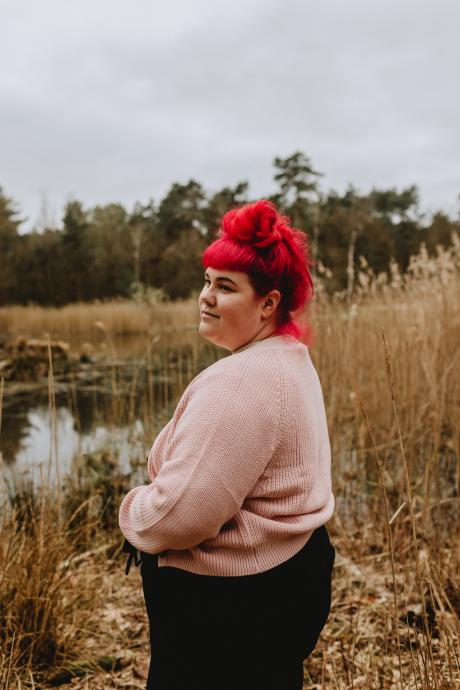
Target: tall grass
{"points": [[389, 366], [119, 317]]}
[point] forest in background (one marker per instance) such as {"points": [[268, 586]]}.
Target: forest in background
{"points": [[106, 251]]}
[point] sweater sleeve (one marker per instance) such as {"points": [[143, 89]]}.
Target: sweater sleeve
{"points": [[220, 446], [152, 468]]}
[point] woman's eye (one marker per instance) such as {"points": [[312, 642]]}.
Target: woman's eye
{"points": [[224, 287]]}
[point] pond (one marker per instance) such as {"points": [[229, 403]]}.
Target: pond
{"points": [[114, 403]]}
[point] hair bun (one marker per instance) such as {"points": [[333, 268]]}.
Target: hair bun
{"points": [[258, 224]]}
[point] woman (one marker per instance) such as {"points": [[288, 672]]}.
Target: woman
{"points": [[235, 557]]}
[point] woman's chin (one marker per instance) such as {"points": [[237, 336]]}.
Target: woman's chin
{"points": [[205, 329], [210, 332]]}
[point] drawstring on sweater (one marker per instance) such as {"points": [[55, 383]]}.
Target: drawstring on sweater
{"points": [[133, 553]]}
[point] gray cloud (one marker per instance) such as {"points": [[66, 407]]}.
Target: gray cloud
{"points": [[110, 102]]}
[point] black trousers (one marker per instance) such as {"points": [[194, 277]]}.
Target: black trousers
{"points": [[249, 632]]}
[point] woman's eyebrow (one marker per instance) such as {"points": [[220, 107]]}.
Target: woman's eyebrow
{"points": [[222, 278]]}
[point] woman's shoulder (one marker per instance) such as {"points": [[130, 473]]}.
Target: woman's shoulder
{"points": [[239, 384], [246, 365], [268, 361]]}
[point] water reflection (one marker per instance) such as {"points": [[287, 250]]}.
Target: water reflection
{"points": [[36, 457], [118, 405]]}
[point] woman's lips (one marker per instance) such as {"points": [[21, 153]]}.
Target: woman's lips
{"points": [[205, 315]]}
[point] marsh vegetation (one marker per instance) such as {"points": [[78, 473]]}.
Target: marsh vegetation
{"points": [[388, 357]]}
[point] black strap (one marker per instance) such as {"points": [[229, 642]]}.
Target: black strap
{"points": [[133, 553]]}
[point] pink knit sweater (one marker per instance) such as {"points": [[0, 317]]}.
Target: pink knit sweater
{"points": [[241, 474]]}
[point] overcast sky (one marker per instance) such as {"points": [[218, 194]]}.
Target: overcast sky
{"points": [[114, 101]]}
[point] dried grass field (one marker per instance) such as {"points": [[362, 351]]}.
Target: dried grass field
{"points": [[389, 363]]}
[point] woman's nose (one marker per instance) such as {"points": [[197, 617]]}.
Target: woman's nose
{"points": [[207, 295]]}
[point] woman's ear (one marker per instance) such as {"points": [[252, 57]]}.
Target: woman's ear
{"points": [[271, 301]]}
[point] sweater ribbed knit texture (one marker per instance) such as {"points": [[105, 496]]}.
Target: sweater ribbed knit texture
{"points": [[241, 474]]}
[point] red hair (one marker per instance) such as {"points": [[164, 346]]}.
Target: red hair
{"points": [[257, 240]]}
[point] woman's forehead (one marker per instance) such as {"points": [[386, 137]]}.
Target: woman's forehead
{"points": [[236, 276]]}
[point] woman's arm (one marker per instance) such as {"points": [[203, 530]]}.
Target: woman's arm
{"points": [[221, 444]]}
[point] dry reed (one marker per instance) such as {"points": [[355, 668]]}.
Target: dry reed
{"points": [[119, 317], [389, 365]]}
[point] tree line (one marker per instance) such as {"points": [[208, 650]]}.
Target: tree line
{"points": [[107, 251]]}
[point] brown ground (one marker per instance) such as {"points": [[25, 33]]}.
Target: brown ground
{"points": [[355, 649], [122, 633]]}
